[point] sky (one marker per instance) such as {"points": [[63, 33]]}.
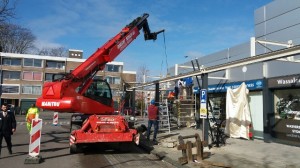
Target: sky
{"points": [[193, 28]]}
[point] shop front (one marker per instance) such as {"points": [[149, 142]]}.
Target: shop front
{"points": [[286, 105], [217, 98]]}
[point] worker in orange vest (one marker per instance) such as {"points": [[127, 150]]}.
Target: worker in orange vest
{"points": [[32, 113]]}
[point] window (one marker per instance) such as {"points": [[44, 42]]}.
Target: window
{"points": [[26, 90], [12, 61], [55, 64], [287, 104], [10, 89], [55, 76], [30, 62], [100, 91], [113, 68], [48, 76], [98, 77], [35, 90], [11, 75], [113, 80], [36, 76]]}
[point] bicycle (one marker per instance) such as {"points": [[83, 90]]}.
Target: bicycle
{"points": [[217, 132]]}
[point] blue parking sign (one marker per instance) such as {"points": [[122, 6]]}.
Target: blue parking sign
{"points": [[203, 96], [203, 104]]}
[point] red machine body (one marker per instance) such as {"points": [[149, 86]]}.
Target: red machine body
{"points": [[77, 92], [105, 128]]}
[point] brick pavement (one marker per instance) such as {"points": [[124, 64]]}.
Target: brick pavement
{"points": [[236, 153]]}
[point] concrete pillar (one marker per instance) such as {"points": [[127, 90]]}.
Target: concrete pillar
{"points": [[176, 69], [252, 46], [157, 94]]}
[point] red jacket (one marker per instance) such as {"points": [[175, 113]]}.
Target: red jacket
{"points": [[152, 112]]}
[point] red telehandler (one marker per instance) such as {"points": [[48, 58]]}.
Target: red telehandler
{"points": [[78, 92]]}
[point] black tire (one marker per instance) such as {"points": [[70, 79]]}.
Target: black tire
{"points": [[73, 149], [131, 124], [126, 146]]}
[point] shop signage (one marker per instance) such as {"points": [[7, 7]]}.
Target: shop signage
{"points": [[287, 129], [284, 81], [251, 85]]}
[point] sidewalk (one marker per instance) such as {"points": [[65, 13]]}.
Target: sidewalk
{"points": [[236, 153]]}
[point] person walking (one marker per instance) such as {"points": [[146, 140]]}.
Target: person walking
{"points": [[8, 126], [152, 120], [32, 113]]}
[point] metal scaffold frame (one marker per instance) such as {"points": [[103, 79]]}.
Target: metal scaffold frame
{"points": [[291, 51]]}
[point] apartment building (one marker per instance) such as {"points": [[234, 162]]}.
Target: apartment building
{"points": [[23, 75]]}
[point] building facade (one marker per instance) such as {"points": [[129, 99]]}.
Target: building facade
{"points": [[23, 75], [274, 96]]}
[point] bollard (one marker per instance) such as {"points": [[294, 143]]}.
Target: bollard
{"points": [[35, 142], [55, 119], [250, 134]]}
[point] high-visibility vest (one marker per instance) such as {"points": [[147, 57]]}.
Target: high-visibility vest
{"points": [[32, 113]]}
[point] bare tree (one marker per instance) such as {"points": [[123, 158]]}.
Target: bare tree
{"points": [[141, 77], [7, 10], [15, 39], [59, 52], [143, 71]]}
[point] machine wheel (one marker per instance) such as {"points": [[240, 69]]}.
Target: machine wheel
{"points": [[126, 146], [73, 149], [131, 124]]}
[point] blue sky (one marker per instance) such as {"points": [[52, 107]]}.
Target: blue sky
{"points": [[193, 27]]}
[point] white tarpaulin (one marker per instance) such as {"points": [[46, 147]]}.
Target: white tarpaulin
{"points": [[238, 116]]}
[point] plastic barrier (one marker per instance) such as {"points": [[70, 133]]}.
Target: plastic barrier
{"points": [[55, 119], [35, 142]]}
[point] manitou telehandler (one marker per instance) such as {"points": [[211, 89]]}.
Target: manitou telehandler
{"points": [[78, 92]]}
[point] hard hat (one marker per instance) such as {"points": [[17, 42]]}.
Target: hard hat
{"points": [[152, 102]]}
